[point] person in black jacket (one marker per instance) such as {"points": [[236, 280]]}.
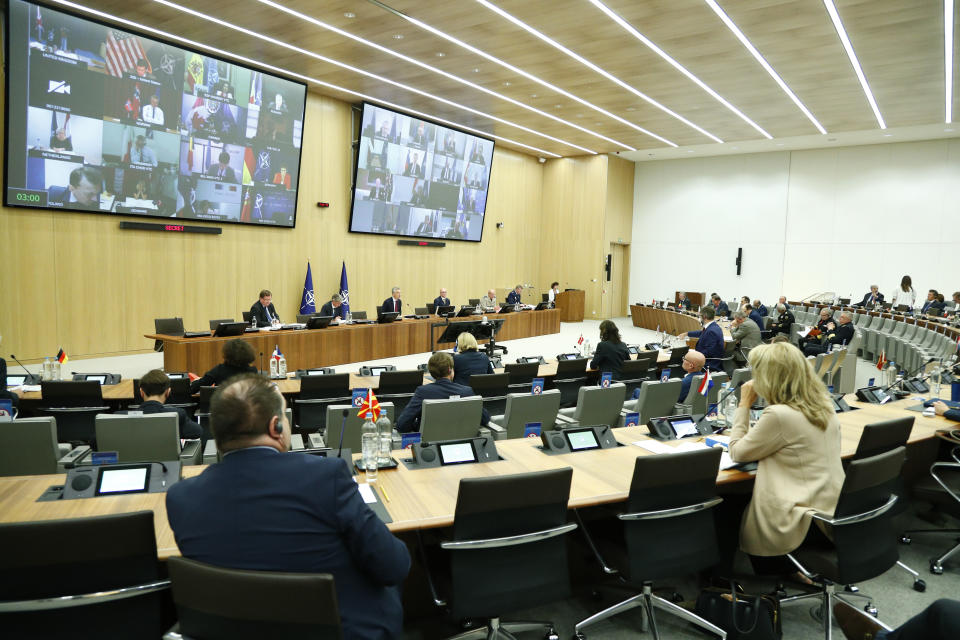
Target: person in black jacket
{"points": [[393, 303], [872, 298], [440, 366], [264, 311], [154, 390], [784, 321], [334, 308], [237, 358], [611, 352], [839, 333], [469, 361]]}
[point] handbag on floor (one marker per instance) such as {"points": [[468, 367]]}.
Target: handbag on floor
{"points": [[745, 617]]}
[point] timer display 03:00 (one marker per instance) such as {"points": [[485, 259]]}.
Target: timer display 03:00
{"points": [[27, 197]]}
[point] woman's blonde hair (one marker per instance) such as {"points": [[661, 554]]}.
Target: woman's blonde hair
{"points": [[782, 375], [466, 342]]}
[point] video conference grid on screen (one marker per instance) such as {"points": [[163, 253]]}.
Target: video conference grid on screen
{"points": [[104, 120], [417, 178]]}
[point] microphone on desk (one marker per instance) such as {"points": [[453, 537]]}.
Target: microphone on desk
{"points": [[343, 426], [30, 377], [715, 405], [261, 363], [910, 375]]}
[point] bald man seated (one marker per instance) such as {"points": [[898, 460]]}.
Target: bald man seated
{"points": [[693, 363], [489, 301]]}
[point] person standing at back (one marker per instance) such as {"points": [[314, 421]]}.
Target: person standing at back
{"points": [[611, 352], [554, 291], [904, 294]]}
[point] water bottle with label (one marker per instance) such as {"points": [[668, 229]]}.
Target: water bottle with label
{"points": [[46, 372], [370, 448], [730, 406], [385, 432], [722, 408], [936, 376], [273, 367], [282, 367], [253, 321], [57, 370], [891, 374]]}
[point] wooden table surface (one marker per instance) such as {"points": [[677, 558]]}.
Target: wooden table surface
{"points": [[426, 498]]}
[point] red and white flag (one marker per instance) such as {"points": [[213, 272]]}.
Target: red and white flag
{"points": [[705, 383], [580, 341], [882, 360], [123, 50]]}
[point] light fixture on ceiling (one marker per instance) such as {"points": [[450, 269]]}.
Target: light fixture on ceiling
{"points": [[629, 28], [948, 59], [440, 54], [476, 69], [763, 62], [887, 135], [350, 14], [533, 95], [851, 54], [398, 36], [507, 83]]}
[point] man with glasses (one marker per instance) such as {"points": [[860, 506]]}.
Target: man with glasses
{"points": [[693, 363]]}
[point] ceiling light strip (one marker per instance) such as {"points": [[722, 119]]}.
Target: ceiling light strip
{"points": [[438, 71], [258, 63], [374, 76], [679, 67], [838, 25], [544, 83], [763, 62], [948, 59]]}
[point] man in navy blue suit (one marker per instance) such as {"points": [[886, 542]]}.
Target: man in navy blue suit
{"points": [[440, 366], [720, 307], [751, 311], [761, 308], [441, 300], [393, 303], [693, 362], [264, 509], [710, 342], [514, 297]]}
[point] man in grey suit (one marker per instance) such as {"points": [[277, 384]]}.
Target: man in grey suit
{"points": [[747, 334]]}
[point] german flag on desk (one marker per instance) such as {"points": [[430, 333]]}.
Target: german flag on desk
{"points": [[62, 356]]}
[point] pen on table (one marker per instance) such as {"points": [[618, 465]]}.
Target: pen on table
{"points": [[383, 490]]}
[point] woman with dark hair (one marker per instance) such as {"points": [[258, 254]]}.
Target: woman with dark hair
{"points": [[611, 352], [237, 358], [904, 294]]}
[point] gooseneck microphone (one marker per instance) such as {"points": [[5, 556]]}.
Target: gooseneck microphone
{"points": [[261, 363], [343, 427], [30, 377]]}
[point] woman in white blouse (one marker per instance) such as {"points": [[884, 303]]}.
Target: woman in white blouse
{"points": [[904, 294]]}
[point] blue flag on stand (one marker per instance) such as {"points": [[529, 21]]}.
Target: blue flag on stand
{"points": [[307, 301], [344, 292]]}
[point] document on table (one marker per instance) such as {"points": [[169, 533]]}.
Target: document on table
{"points": [[366, 492], [655, 446], [803, 334]]}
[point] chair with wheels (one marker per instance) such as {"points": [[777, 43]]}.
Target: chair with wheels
{"points": [[942, 489]]}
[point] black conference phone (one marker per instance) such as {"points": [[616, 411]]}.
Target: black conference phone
{"points": [[874, 395], [118, 479], [529, 359], [682, 426], [578, 438], [102, 378], [442, 453]]}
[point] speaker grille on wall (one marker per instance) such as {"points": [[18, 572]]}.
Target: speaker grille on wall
{"points": [[739, 259], [607, 267]]}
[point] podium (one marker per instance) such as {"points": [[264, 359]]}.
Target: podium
{"points": [[570, 305], [480, 329]]}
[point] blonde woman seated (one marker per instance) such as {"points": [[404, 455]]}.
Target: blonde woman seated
{"points": [[796, 442], [469, 360]]}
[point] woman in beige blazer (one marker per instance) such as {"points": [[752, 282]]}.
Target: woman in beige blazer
{"points": [[796, 442]]}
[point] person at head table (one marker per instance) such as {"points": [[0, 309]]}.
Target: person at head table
{"points": [[222, 168], [264, 311], [693, 363], [155, 391], [61, 141], [515, 296], [684, 301], [152, 112], [238, 357], [82, 192], [393, 303], [440, 366], [441, 300], [470, 360], [299, 513], [141, 153], [872, 298], [334, 307], [489, 301]]}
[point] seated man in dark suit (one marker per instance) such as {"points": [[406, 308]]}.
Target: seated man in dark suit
{"points": [[838, 333], [237, 358], [761, 308], [82, 192], [469, 360], [440, 367], [684, 301], [393, 303], [783, 301], [933, 305], [514, 296], [754, 315], [784, 320], [693, 363], [872, 299], [441, 300], [334, 307], [710, 343], [264, 311], [720, 307], [155, 389], [298, 513], [222, 168]]}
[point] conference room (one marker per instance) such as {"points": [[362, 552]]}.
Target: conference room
{"points": [[803, 150]]}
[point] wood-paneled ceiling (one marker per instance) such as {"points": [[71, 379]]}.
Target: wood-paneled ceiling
{"points": [[900, 45]]}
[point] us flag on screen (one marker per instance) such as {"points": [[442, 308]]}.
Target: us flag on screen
{"points": [[123, 51]]}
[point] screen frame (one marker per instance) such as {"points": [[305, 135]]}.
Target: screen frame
{"points": [[469, 443], [124, 467], [356, 173], [82, 16], [577, 431]]}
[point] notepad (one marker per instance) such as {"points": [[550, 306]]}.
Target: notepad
{"points": [[366, 492]]}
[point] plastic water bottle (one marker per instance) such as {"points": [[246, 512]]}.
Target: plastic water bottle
{"points": [[730, 406], [253, 321], [282, 366], [370, 447], [46, 372], [385, 433], [273, 367], [57, 370], [936, 376], [891, 374]]}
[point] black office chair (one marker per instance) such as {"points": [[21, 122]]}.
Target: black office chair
{"points": [[247, 316], [359, 315], [167, 327], [675, 364], [75, 405], [864, 544], [941, 488], [493, 387], [94, 576], [431, 308], [571, 375], [216, 603], [473, 301], [522, 373], [671, 497], [508, 550], [316, 394], [216, 323], [398, 387], [633, 373]]}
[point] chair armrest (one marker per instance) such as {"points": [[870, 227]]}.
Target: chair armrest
{"points": [[97, 597], [493, 431], [73, 457], [190, 454], [671, 513], [508, 541], [210, 452], [945, 465], [857, 517]]}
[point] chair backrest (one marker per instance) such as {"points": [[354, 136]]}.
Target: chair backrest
{"points": [[526, 569], [867, 548], [473, 302], [649, 358], [76, 424], [739, 377], [571, 368], [351, 435], [672, 481], [490, 384], [61, 393], [214, 603], [451, 418], [879, 437], [78, 556], [217, 322], [698, 403], [335, 385], [205, 394], [598, 405], [358, 315], [657, 398], [522, 372], [524, 408], [633, 369], [421, 311], [28, 447], [168, 326], [139, 438], [179, 391], [676, 355], [400, 381]]}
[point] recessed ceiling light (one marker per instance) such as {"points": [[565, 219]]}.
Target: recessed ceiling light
{"points": [[476, 69], [440, 54], [507, 83], [398, 36], [887, 135], [631, 108], [689, 150], [533, 95], [948, 130], [851, 54], [579, 115], [735, 148], [349, 14], [779, 144], [558, 106]]}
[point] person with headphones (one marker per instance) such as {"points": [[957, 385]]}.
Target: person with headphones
{"points": [[264, 509]]}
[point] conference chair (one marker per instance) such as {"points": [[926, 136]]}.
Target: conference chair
{"points": [[180, 395], [351, 427], [203, 410], [95, 576], [731, 351], [675, 364], [595, 406], [845, 375], [739, 377], [656, 399], [493, 388], [450, 419], [697, 403], [941, 488], [570, 376], [399, 386], [522, 373], [669, 531], [524, 408], [167, 327], [633, 372], [473, 301], [431, 308], [216, 323], [145, 438], [28, 446], [316, 394], [216, 603], [422, 311], [864, 544], [508, 550], [358, 315], [829, 364]]}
